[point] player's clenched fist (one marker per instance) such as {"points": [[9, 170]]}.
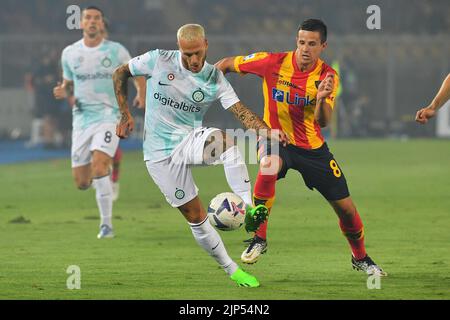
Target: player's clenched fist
{"points": [[424, 114], [125, 126], [326, 87], [59, 92]]}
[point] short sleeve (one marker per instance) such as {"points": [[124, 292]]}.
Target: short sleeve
{"points": [[124, 55], [67, 72], [255, 63], [225, 92], [144, 65]]}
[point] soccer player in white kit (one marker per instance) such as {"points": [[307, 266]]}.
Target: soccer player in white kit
{"points": [[181, 86], [88, 65]]}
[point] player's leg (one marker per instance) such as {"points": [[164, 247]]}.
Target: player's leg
{"points": [[81, 158], [115, 173], [321, 171], [351, 225], [103, 147], [263, 194], [353, 229], [271, 162], [82, 176], [209, 239], [176, 183], [102, 183], [217, 147]]}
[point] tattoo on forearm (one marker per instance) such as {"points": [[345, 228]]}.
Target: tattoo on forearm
{"points": [[124, 118], [249, 119], [120, 80]]}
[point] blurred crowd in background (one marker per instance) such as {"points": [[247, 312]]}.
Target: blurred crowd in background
{"points": [[386, 74], [250, 16]]}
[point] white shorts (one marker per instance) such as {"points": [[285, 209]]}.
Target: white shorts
{"points": [[173, 175], [101, 137]]}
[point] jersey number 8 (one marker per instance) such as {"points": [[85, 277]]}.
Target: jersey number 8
{"points": [[336, 171], [108, 136]]}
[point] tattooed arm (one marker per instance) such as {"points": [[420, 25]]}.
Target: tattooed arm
{"points": [[250, 120], [120, 80]]}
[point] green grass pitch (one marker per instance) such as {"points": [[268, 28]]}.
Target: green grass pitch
{"points": [[401, 189]]}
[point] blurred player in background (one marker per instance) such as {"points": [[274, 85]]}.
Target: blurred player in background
{"points": [[87, 66], [299, 92], [184, 86], [443, 95], [139, 101]]}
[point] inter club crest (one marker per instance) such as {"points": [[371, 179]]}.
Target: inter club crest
{"points": [[198, 95], [106, 62]]}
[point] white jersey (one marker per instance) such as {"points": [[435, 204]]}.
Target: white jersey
{"points": [[177, 99], [91, 71]]}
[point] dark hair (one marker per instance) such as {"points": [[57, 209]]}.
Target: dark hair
{"points": [[315, 25], [94, 8]]}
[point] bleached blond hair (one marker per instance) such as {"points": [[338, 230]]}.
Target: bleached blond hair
{"points": [[191, 32]]}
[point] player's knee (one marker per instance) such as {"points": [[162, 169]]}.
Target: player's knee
{"points": [[83, 184], [100, 168], [270, 164], [216, 144], [192, 214], [346, 211]]}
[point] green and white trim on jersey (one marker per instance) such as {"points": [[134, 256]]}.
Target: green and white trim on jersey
{"points": [[91, 71], [177, 99]]}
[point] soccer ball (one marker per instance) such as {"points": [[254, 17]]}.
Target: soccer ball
{"points": [[226, 211]]}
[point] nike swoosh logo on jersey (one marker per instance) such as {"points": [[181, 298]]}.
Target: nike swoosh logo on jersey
{"points": [[246, 181], [163, 84]]}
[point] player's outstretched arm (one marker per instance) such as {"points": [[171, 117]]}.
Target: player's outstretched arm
{"points": [[441, 97], [324, 111], [120, 81], [226, 65], [250, 120]]}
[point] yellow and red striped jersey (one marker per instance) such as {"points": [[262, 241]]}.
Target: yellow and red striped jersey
{"points": [[289, 94]]}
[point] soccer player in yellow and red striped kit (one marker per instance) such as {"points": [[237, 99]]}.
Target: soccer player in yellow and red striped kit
{"points": [[299, 96]]}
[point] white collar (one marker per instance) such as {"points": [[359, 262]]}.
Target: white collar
{"points": [[92, 48]]}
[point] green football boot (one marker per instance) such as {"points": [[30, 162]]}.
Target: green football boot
{"points": [[244, 279], [254, 216]]}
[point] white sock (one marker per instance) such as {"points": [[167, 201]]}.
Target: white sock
{"points": [[104, 196], [236, 174], [209, 239]]}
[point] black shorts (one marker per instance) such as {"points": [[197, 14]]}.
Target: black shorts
{"points": [[318, 168]]}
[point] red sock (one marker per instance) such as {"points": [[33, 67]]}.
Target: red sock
{"points": [[353, 230], [264, 193], [262, 230], [265, 186], [116, 165]]}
